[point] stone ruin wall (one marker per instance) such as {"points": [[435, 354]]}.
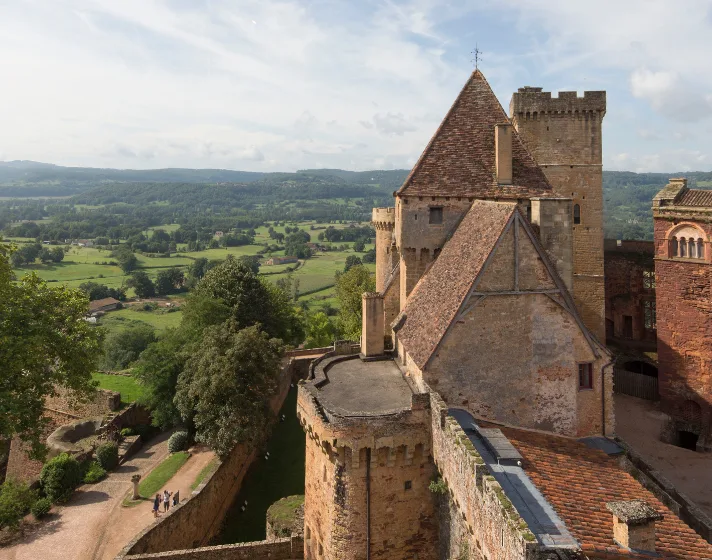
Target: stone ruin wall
{"points": [[194, 522], [59, 410], [401, 509], [278, 549]]}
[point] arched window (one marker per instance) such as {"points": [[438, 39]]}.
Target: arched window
{"points": [[691, 248], [700, 249], [683, 247], [686, 241], [577, 214], [673, 247]]}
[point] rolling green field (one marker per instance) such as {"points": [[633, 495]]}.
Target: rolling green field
{"points": [[84, 264]]}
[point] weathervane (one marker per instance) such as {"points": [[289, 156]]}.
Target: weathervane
{"points": [[478, 56]]}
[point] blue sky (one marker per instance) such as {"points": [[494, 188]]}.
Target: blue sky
{"points": [[269, 85]]}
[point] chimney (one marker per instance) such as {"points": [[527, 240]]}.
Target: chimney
{"points": [[634, 524], [503, 153], [553, 217], [372, 325]]}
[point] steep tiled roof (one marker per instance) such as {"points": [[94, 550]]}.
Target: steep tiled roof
{"points": [[460, 158], [695, 197], [436, 299], [579, 481]]}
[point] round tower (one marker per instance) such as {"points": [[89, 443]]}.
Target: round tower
{"points": [[368, 464], [384, 220]]}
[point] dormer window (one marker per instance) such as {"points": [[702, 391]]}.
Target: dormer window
{"points": [[436, 215]]}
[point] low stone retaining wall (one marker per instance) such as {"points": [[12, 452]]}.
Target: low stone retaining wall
{"points": [[194, 522], [279, 549]]}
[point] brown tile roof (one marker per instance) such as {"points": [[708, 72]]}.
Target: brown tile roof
{"points": [[436, 299], [459, 160], [695, 197], [579, 481], [99, 303]]}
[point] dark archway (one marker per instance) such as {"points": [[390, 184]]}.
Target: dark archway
{"points": [[638, 366], [687, 440]]}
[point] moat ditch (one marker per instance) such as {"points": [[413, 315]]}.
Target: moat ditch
{"points": [[268, 480]]}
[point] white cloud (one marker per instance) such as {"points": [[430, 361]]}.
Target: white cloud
{"points": [[392, 123]]}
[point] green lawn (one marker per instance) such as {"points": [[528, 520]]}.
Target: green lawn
{"points": [[158, 477], [159, 319], [128, 386], [203, 473]]}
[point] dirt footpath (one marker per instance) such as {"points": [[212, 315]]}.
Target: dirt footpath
{"points": [[93, 524], [638, 422]]}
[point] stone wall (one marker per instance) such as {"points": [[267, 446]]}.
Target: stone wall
{"points": [[194, 522], [477, 519], [278, 549], [383, 219], [564, 136], [684, 321], [59, 410], [627, 292]]}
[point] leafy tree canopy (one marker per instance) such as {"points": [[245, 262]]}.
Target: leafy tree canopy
{"points": [[350, 286], [227, 383], [124, 347], [44, 344], [141, 284]]}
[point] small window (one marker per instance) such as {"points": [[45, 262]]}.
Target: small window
{"points": [[673, 247], [649, 315], [436, 215], [408, 484], [700, 249], [683, 247], [586, 376], [577, 214], [692, 248], [648, 279]]}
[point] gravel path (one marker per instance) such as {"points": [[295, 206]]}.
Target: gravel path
{"points": [[75, 530]]}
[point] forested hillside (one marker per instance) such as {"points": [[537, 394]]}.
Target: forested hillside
{"points": [[223, 197]]}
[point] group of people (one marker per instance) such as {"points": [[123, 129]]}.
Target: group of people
{"points": [[166, 498]]}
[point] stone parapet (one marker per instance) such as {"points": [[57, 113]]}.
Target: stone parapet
{"points": [[528, 102], [277, 549], [384, 218]]}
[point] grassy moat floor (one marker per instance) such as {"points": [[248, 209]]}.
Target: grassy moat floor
{"points": [[268, 480]]}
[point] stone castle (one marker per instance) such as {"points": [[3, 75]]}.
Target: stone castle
{"points": [[474, 422]]}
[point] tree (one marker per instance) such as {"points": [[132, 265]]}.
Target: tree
{"points": [[251, 299], [45, 255], [157, 371], [227, 383], [350, 286], [169, 280], [126, 259], [359, 246], [369, 256], [351, 261], [124, 347], [44, 344], [57, 254], [320, 331], [95, 291], [141, 284], [252, 261]]}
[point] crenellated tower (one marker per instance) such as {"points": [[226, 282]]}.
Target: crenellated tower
{"points": [[384, 220], [368, 464], [564, 135]]}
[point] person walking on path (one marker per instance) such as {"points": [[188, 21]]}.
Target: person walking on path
{"points": [[166, 500], [156, 505]]}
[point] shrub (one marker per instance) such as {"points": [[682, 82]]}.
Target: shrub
{"points": [[94, 473], [59, 477], [41, 508], [146, 431], [107, 454], [125, 432], [15, 500], [178, 442]]}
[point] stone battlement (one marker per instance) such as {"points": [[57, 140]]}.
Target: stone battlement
{"points": [[384, 218], [528, 102]]}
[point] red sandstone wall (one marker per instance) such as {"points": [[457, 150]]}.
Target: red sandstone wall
{"points": [[684, 308]]}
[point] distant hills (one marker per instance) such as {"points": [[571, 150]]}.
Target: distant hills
{"points": [[627, 195]]}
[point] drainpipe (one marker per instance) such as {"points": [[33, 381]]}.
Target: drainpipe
{"points": [[368, 503], [603, 396]]}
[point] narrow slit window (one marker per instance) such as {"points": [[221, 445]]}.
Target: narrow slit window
{"points": [[700, 249], [585, 376], [683, 247], [692, 248], [577, 214], [436, 215], [673, 247]]}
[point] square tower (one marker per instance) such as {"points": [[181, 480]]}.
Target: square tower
{"points": [[564, 135]]}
